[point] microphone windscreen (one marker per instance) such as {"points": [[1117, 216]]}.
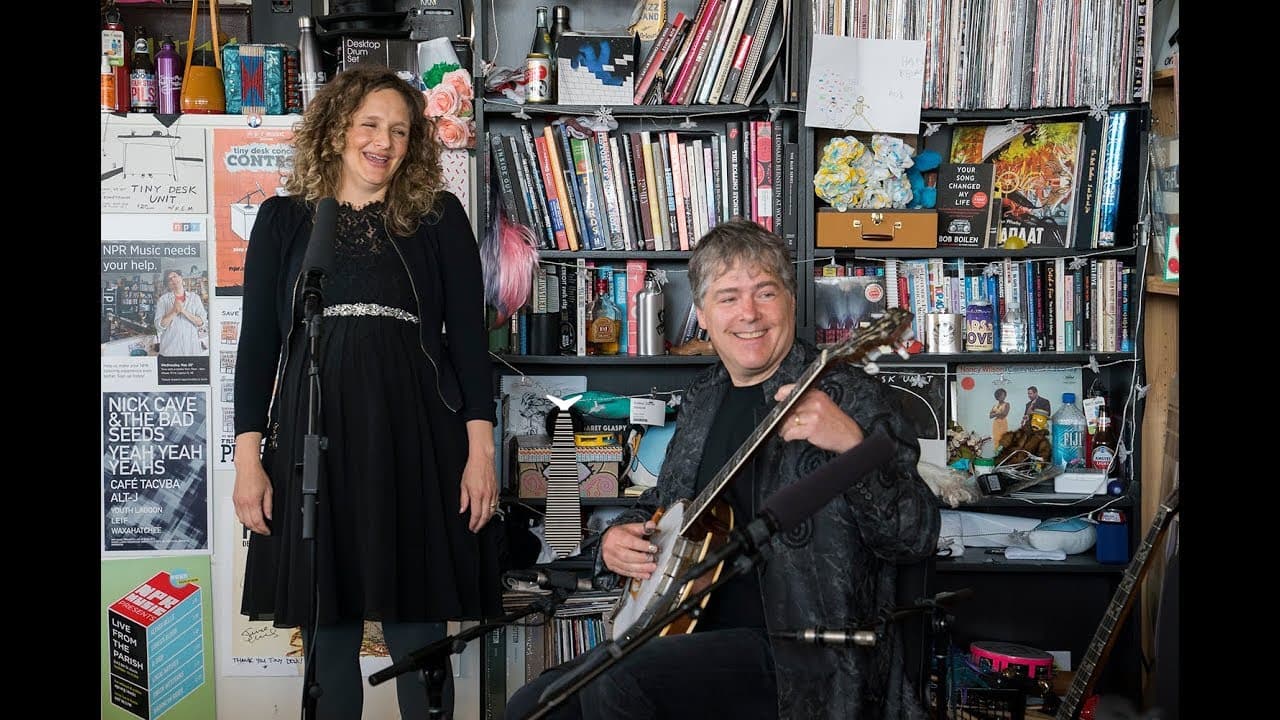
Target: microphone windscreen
{"points": [[792, 504], [319, 255]]}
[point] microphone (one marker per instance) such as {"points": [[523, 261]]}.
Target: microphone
{"points": [[317, 263], [791, 505], [829, 638], [551, 579]]}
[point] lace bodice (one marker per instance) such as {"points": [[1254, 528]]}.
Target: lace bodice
{"points": [[368, 268]]}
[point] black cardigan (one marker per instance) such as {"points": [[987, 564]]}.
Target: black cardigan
{"points": [[452, 299]]}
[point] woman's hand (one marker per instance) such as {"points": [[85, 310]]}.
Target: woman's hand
{"points": [[627, 549], [252, 493], [817, 419], [479, 490]]}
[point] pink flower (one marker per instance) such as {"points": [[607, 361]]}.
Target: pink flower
{"points": [[464, 108], [454, 133], [442, 100], [460, 81]]}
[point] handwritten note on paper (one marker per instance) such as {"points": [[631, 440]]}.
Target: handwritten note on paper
{"points": [[867, 85]]}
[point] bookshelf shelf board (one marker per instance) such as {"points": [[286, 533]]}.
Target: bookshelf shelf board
{"points": [[1005, 358], [1000, 502], [1161, 287], [504, 107], [585, 502], [614, 254], [610, 359], [1164, 77], [1002, 115], [993, 253], [977, 560]]}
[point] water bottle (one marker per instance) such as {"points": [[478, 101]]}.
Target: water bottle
{"points": [[311, 73], [168, 78], [650, 319], [1067, 431], [1013, 329]]}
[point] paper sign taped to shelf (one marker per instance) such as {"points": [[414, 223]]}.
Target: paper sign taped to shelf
{"points": [[864, 84], [648, 411]]}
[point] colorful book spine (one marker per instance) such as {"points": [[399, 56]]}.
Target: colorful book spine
{"points": [[1112, 165], [657, 57], [562, 192], [548, 175]]}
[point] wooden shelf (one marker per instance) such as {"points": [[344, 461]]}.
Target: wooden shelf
{"points": [[1161, 287], [1164, 77]]}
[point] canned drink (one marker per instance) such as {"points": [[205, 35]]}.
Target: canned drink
{"points": [[979, 327], [537, 77]]}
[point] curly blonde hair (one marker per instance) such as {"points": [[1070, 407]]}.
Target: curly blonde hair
{"points": [[319, 139]]}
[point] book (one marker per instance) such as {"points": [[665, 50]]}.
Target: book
{"points": [[965, 204], [1110, 176], [657, 56], [842, 304], [1037, 173]]}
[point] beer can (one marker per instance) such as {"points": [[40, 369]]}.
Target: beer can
{"points": [[979, 327], [537, 78]]}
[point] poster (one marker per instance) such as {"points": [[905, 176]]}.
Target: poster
{"points": [[922, 392], [868, 85], [155, 471], [249, 166], [155, 300], [156, 639], [148, 167], [979, 390], [226, 337]]}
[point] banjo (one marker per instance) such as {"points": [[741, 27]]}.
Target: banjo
{"points": [[687, 531]]}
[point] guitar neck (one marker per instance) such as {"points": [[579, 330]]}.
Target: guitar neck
{"points": [[735, 463], [1104, 638]]}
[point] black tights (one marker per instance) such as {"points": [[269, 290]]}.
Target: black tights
{"points": [[338, 669]]}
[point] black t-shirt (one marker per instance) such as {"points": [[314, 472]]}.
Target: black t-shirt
{"points": [[737, 603]]}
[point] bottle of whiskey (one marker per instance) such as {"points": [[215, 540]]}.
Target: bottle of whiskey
{"points": [[605, 322]]}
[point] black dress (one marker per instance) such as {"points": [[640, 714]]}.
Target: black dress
{"points": [[391, 545]]}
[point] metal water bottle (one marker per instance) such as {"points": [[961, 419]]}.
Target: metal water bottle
{"points": [[168, 78], [650, 319], [310, 67]]}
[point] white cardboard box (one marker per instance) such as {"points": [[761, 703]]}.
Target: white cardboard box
{"points": [[1085, 482]]}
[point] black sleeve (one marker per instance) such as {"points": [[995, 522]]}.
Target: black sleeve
{"points": [[258, 351], [468, 338], [897, 514]]}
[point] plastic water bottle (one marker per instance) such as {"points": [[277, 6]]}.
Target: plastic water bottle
{"points": [[1067, 430], [1013, 329]]}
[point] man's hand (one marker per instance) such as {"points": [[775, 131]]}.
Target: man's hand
{"points": [[817, 419], [626, 549]]}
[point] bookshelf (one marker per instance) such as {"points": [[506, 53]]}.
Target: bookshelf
{"points": [[1021, 601]]}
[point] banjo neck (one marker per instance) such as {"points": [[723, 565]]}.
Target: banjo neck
{"points": [[753, 441]]}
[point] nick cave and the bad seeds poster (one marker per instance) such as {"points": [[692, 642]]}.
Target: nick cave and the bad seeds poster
{"points": [[155, 471]]}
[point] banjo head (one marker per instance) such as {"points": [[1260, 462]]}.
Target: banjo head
{"points": [[639, 596]]}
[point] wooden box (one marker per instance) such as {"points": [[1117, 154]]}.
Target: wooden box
{"points": [[890, 228]]}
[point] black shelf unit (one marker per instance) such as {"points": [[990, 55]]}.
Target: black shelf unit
{"points": [[977, 560], [1088, 502], [986, 253], [610, 360]]}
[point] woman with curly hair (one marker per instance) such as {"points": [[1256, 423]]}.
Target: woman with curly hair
{"points": [[406, 479]]}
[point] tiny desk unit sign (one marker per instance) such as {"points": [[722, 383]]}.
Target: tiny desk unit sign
{"points": [[595, 69], [156, 645]]}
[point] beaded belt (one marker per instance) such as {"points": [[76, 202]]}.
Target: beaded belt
{"points": [[370, 310]]}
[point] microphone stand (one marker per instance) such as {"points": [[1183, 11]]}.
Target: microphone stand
{"points": [[431, 661], [312, 446], [746, 549]]}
